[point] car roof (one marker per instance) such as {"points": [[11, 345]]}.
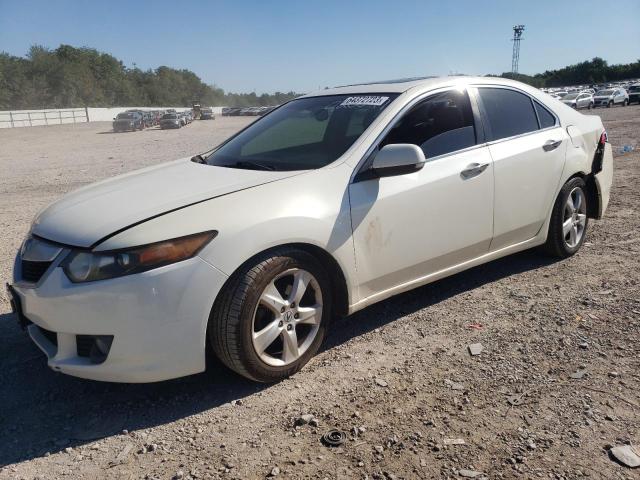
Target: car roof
{"points": [[419, 84]]}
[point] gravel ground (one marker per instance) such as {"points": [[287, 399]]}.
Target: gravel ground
{"points": [[397, 377]]}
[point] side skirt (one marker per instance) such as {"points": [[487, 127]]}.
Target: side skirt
{"points": [[446, 272]]}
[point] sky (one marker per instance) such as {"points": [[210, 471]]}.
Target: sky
{"points": [[271, 45]]}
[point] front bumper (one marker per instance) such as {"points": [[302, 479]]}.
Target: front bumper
{"points": [[158, 320]]}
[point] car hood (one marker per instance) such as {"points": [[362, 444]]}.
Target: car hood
{"points": [[84, 217]]}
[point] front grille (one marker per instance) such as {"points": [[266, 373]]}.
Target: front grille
{"points": [[84, 344], [33, 271], [49, 335]]}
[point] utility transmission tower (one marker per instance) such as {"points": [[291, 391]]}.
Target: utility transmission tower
{"points": [[517, 36]]}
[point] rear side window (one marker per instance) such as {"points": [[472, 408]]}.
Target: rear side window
{"points": [[546, 118], [439, 125], [509, 112]]}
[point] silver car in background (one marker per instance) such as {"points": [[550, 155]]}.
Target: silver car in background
{"points": [[578, 100], [610, 97]]}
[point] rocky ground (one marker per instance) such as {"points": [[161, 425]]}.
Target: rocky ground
{"points": [[556, 385]]}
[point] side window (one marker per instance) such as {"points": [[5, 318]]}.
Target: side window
{"points": [[509, 112], [441, 124], [546, 118]]}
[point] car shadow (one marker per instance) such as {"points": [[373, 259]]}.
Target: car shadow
{"points": [[42, 411]]}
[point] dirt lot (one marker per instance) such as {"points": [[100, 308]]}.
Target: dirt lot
{"points": [[397, 376]]}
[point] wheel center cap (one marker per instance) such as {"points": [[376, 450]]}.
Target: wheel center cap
{"points": [[288, 316]]}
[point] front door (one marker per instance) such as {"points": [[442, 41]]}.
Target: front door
{"points": [[407, 227]]}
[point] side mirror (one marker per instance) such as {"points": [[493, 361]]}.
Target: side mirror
{"points": [[398, 159]]}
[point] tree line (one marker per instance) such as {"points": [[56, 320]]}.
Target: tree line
{"points": [[590, 72], [77, 77]]}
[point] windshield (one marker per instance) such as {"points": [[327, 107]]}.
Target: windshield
{"points": [[303, 134], [169, 116], [561, 94], [570, 96], [125, 115], [634, 88], [605, 93]]}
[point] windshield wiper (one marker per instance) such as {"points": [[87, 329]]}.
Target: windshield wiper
{"points": [[198, 159], [251, 165]]}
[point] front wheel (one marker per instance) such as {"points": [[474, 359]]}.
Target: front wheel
{"points": [[568, 223], [272, 315]]}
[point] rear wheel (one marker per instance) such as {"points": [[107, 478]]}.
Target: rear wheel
{"points": [[271, 317], [568, 223]]}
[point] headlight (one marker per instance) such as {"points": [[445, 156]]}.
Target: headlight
{"points": [[85, 266]]}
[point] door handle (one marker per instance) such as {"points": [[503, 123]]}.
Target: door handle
{"points": [[551, 145], [473, 169]]}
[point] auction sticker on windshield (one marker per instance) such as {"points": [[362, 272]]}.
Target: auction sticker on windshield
{"points": [[373, 100]]}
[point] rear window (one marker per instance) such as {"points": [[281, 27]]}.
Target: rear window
{"points": [[169, 116], [509, 113], [546, 118]]}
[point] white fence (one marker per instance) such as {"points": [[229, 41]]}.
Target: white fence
{"points": [[33, 118], [30, 118]]}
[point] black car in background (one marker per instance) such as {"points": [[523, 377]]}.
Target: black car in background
{"points": [[634, 93], [128, 121], [206, 114], [170, 120]]}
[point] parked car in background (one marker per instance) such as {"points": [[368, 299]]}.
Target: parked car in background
{"points": [[206, 114], [578, 100], [250, 250], [128, 121], [265, 110], [610, 97], [232, 111], [634, 93], [170, 120]]}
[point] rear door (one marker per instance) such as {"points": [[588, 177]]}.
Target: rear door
{"points": [[528, 147]]}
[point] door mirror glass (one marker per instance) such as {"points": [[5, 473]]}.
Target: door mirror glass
{"points": [[398, 159]]}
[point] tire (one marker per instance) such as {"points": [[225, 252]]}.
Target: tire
{"points": [[625, 103], [247, 305], [590, 106], [610, 104], [562, 240]]}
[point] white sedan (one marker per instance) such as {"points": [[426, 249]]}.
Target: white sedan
{"points": [[329, 203]]}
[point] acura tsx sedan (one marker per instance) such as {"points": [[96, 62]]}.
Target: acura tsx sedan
{"points": [[329, 203]]}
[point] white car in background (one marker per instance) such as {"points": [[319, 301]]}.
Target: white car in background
{"points": [[610, 97], [330, 203], [578, 100]]}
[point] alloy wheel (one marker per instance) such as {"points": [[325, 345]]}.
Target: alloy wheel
{"points": [[287, 318], [574, 219]]}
